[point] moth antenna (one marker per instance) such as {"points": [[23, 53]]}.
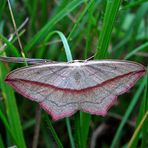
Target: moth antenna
{"points": [[90, 58]]}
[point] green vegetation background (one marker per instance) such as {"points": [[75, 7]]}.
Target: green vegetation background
{"points": [[111, 29]]}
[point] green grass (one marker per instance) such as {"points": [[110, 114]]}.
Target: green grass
{"points": [[63, 31]]}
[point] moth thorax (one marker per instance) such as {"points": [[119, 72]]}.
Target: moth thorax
{"points": [[77, 76]]}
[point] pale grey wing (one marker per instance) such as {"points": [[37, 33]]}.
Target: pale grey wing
{"points": [[32, 82], [62, 103], [60, 75], [116, 77], [40, 73], [76, 76], [101, 98], [104, 70], [57, 103]]}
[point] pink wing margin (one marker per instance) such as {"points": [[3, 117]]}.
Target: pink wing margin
{"points": [[62, 100]]}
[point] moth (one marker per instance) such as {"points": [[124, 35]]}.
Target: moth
{"points": [[62, 88]]}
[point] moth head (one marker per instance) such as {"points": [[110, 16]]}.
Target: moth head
{"points": [[77, 61]]}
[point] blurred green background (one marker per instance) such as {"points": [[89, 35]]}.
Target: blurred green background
{"points": [[110, 29]]}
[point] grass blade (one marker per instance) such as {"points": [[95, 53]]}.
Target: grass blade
{"points": [[142, 47], [1, 143], [54, 134], [127, 114], [145, 127], [11, 107], [142, 113], [105, 35], [70, 133], [80, 18], [69, 59], [66, 46], [6, 124], [15, 51], [44, 31], [137, 130]]}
